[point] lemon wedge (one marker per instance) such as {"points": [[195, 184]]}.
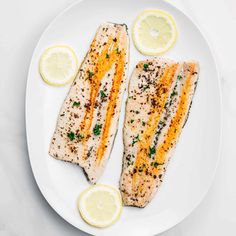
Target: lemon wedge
{"points": [[154, 32], [58, 65], [100, 205]]}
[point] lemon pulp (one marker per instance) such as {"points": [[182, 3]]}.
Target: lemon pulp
{"points": [[100, 205], [58, 65], [154, 32]]}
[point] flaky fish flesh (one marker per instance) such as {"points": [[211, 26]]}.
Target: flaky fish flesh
{"points": [[160, 96], [88, 120]]}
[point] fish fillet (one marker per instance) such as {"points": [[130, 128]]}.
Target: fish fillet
{"points": [[88, 119], [160, 96]]}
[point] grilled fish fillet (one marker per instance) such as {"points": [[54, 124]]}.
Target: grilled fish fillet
{"points": [[88, 119], [160, 96]]}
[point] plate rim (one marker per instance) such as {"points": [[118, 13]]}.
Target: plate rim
{"points": [[212, 52]]}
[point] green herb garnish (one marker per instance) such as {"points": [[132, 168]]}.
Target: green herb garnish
{"points": [[173, 94], [131, 121], [143, 123], [80, 136], [155, 164], [135, 140], [117, 51], [145, 67], [97, 129], [71, 136], [179, 77], [152, 151], [91, 74], [76, 104], [107, 56], [103, 95], [146, 87]]}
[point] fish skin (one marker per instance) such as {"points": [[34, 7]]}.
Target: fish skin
{"points": [[98, 89], [143, 172]]}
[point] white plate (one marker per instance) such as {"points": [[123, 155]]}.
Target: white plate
{"points": [[193, 165]]}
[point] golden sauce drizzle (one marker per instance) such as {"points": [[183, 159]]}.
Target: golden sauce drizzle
{"points": [[118, 76], [177, 122], [102, 66], [100, 69], [164, 85], [174, 129]]}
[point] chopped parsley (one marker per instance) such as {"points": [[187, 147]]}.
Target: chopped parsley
{"points": [[76, 104], [146, 87], [90, 74], [135, 140], [155, 164], [131, 121], [158, 132], [179, 77], [71, 136], [97, 129], [80, 136], [103, 95], [145, 67], [143, 123], [166, 105], [117, 51], [107, 56], [173, 94], [152, 151]]}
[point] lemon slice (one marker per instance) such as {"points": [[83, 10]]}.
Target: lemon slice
{"points": [[154, 32], [100, 205], [58, 65]]}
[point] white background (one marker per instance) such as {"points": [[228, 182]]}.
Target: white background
{"points": [[23, 210]]}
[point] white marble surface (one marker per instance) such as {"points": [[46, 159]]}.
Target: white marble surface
{"points": [[23, 210]]}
